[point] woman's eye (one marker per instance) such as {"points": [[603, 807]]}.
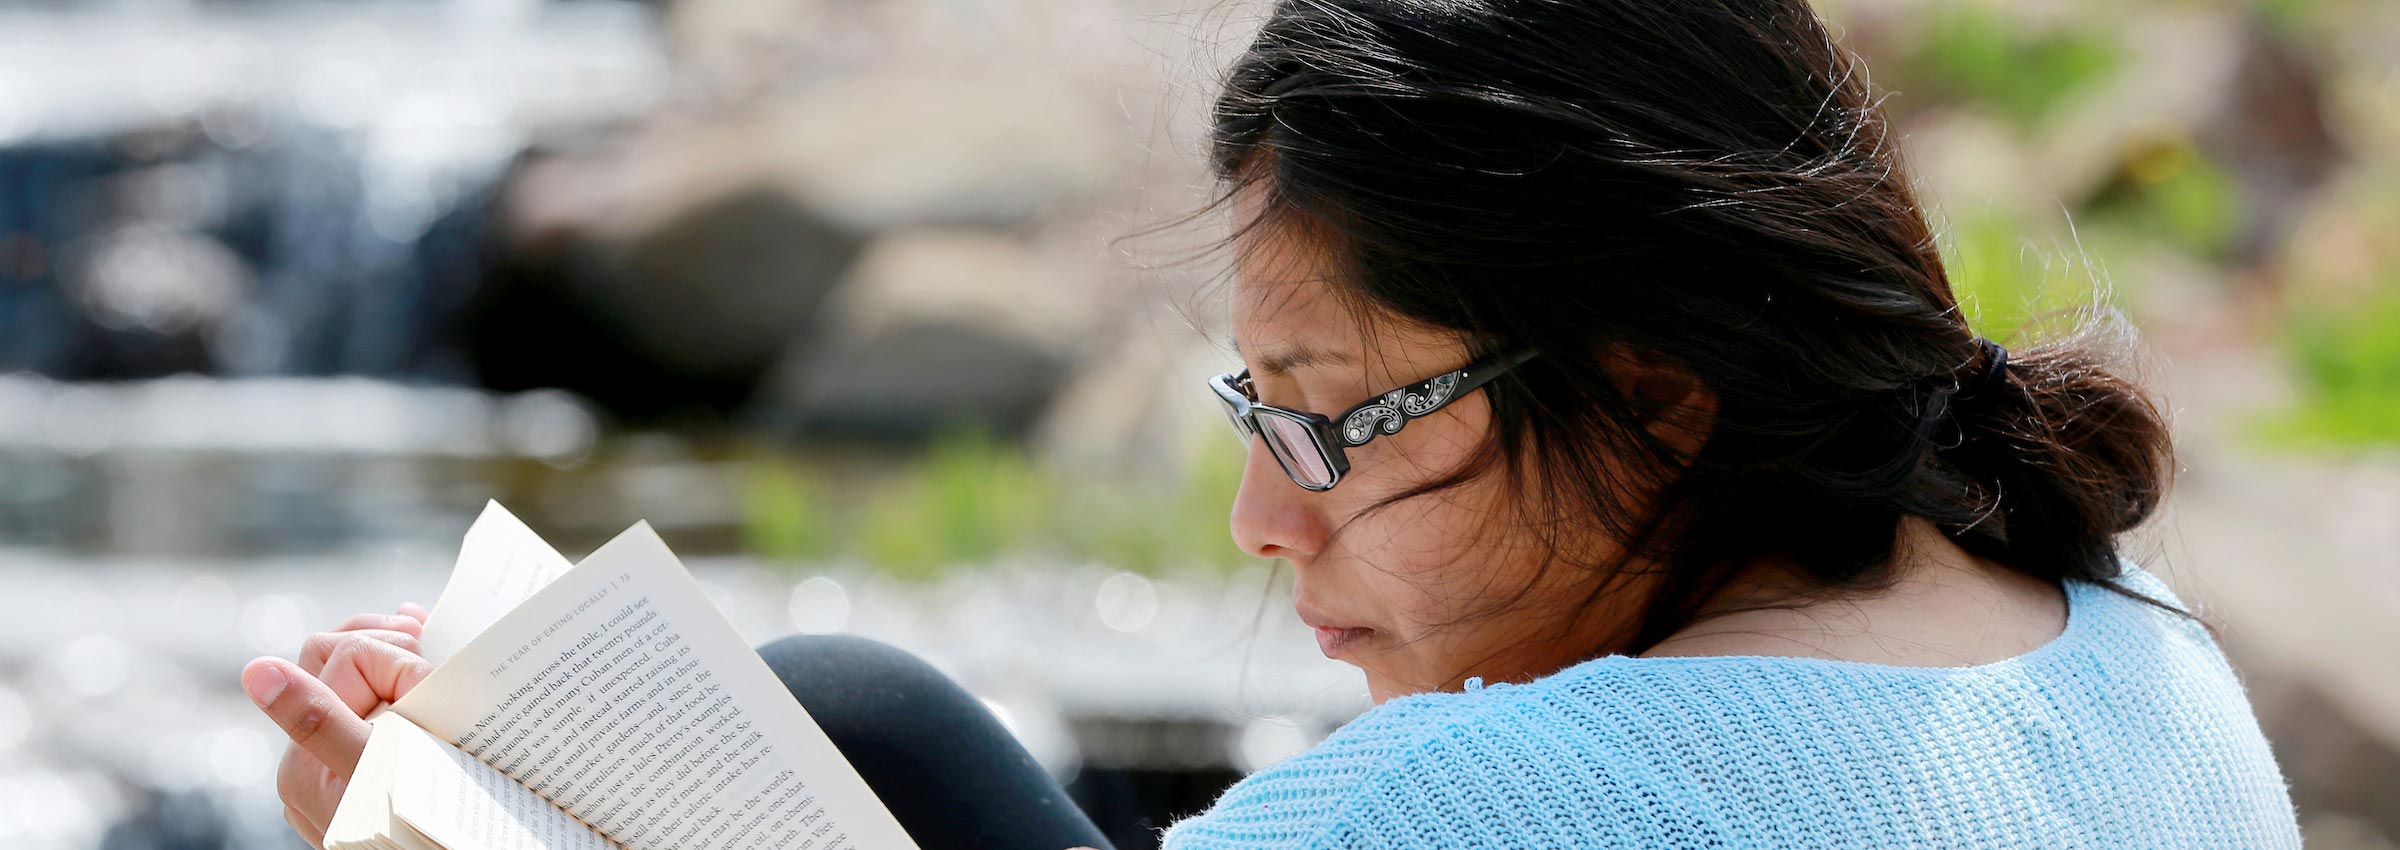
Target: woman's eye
{"points": [[1279, 392], [1314, 395]]}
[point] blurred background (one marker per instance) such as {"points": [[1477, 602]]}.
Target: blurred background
{"points": [[864, 305]]}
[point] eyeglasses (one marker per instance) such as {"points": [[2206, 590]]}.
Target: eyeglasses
{"points": [[1310, 447]]}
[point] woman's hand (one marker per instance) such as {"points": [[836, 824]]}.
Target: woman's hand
{"points": [[320, 702]]}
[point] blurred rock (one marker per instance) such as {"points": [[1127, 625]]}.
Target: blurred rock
{"points": [[993, 149], [910, 381], [935, 328], [992, 278], [2272, 128], [688, 315]]}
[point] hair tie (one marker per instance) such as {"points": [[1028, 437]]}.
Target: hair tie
{"points": [[1995, 362], [1996, 359]]}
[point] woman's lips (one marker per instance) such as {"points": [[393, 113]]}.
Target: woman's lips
{"points": [[1337, 642]]}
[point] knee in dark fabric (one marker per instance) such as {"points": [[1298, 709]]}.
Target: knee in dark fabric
{"points": [[951, 773], [862, 686]]}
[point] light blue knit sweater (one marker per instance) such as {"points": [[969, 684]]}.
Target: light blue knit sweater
{"points": [[2127, 730]]}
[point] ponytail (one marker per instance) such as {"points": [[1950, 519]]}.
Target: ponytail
{"points": [[2056, 457]]}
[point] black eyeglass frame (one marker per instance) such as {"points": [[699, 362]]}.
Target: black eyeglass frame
{"points": [[1384, 413]]}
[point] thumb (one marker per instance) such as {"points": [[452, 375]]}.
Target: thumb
{"points": [[310, 713]]}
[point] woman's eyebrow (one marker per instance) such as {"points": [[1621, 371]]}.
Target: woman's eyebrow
{"points": [[1283, 361]]}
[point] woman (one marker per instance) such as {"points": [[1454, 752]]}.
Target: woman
{"points": [[1607, 396]]}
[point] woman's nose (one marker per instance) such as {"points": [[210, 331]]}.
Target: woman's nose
{"points": [[1272, 516]]}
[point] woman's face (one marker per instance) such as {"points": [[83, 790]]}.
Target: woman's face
{"points": [[1436, 588]]}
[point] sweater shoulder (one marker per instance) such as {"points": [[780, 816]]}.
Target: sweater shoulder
{"points": [[1371, 781], [1526, 761], [1311, 799]]}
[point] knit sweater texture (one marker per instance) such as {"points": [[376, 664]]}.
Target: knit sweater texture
{"points": [[2127, 730]]}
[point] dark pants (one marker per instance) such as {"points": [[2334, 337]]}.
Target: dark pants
{"points": [[945, 766]]}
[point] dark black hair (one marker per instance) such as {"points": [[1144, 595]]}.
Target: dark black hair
{"points": [[1706, 184]]}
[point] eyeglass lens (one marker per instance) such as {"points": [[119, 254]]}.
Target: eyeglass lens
{"points": [[1297, 450]]}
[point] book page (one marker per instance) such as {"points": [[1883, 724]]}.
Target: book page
{"points": [[501, 564], [619, 693], [464, 804], [365, 811]]}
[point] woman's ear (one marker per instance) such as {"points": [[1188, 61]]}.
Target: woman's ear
{"points": [[1673, 404]]}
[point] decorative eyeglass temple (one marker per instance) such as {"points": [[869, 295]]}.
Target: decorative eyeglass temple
{"points": [[1394, 409]]}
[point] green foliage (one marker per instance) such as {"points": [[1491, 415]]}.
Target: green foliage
{"points": [[2171, 192], [1973, 53], [784, 511], [2009, 285], [896, 532], [1176, 521], [2308, 20], [1204, 504], [2347, 356], [973, 498]]}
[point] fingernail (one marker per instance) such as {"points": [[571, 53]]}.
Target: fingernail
{"points": [[265, 685]]}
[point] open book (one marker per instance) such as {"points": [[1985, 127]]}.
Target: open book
{"points": [[591, 706]]}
